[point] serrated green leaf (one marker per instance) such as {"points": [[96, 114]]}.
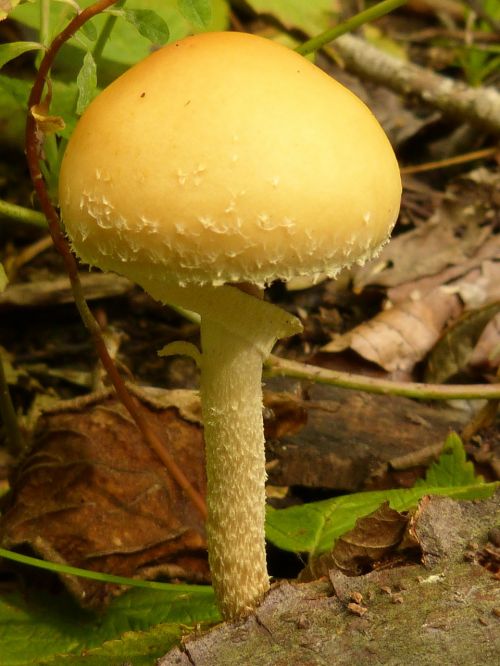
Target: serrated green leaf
{"points": [[139, 648], [149, 24], [3, 278], [38, 628], [452, 470], [197, 12], [313, 528], [86, 82], [14, 49]]}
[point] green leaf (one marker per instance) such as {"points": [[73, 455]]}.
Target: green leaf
{"points": [[149, 24], [452, 470], [3, 278], [14, 49], [89, 30], [313, 528], [198, 12], [86, 82], [14, 95], [125, 45], [140, 648], [311, 17], [39, 628], [13, 103]]}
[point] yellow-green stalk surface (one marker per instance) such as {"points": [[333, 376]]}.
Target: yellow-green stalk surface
{"points": [[238, 332]]}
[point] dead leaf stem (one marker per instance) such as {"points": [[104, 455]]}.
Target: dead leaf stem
{"points": [[280, 367], [33, 159]]}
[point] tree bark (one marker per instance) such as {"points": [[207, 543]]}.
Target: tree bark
{"points": [[445, 611]]}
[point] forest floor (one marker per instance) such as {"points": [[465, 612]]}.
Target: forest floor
{"points": [[426, 312]]}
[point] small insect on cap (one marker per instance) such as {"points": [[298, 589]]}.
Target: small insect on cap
{"points": [[225, 157]]}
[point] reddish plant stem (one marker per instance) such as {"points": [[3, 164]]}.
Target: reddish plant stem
{"points": [[61, 244]]}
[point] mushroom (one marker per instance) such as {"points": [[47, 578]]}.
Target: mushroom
{"points": [[225, 160]]}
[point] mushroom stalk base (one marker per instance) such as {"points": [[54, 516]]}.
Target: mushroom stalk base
{"points": [[238, 332]]}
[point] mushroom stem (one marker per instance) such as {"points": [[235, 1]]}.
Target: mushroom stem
{"points": [[231, 377], [238, 332]]}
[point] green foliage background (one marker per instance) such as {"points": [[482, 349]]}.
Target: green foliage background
{"points": [[37, 627]]}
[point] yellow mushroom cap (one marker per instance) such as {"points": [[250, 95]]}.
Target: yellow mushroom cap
{"points": [[226, 157]]}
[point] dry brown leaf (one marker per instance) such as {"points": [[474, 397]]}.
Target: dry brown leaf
{"points": [[433, 272], [486, 353], [438, 529], [92, 494], [454, 351], [418, 253], [456, 231], [480, 286], [398, 338], [483, 259], [46, 123], [374, 540], [402, 335]]}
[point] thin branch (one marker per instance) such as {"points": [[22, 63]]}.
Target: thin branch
{"points": [[452, 161], [33, 158], [478, 106], [280, 367]]}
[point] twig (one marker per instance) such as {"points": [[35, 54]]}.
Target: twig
{"points": [[478, 106], [427, 34], [279, 367], [452, 161], [61, 244]]}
